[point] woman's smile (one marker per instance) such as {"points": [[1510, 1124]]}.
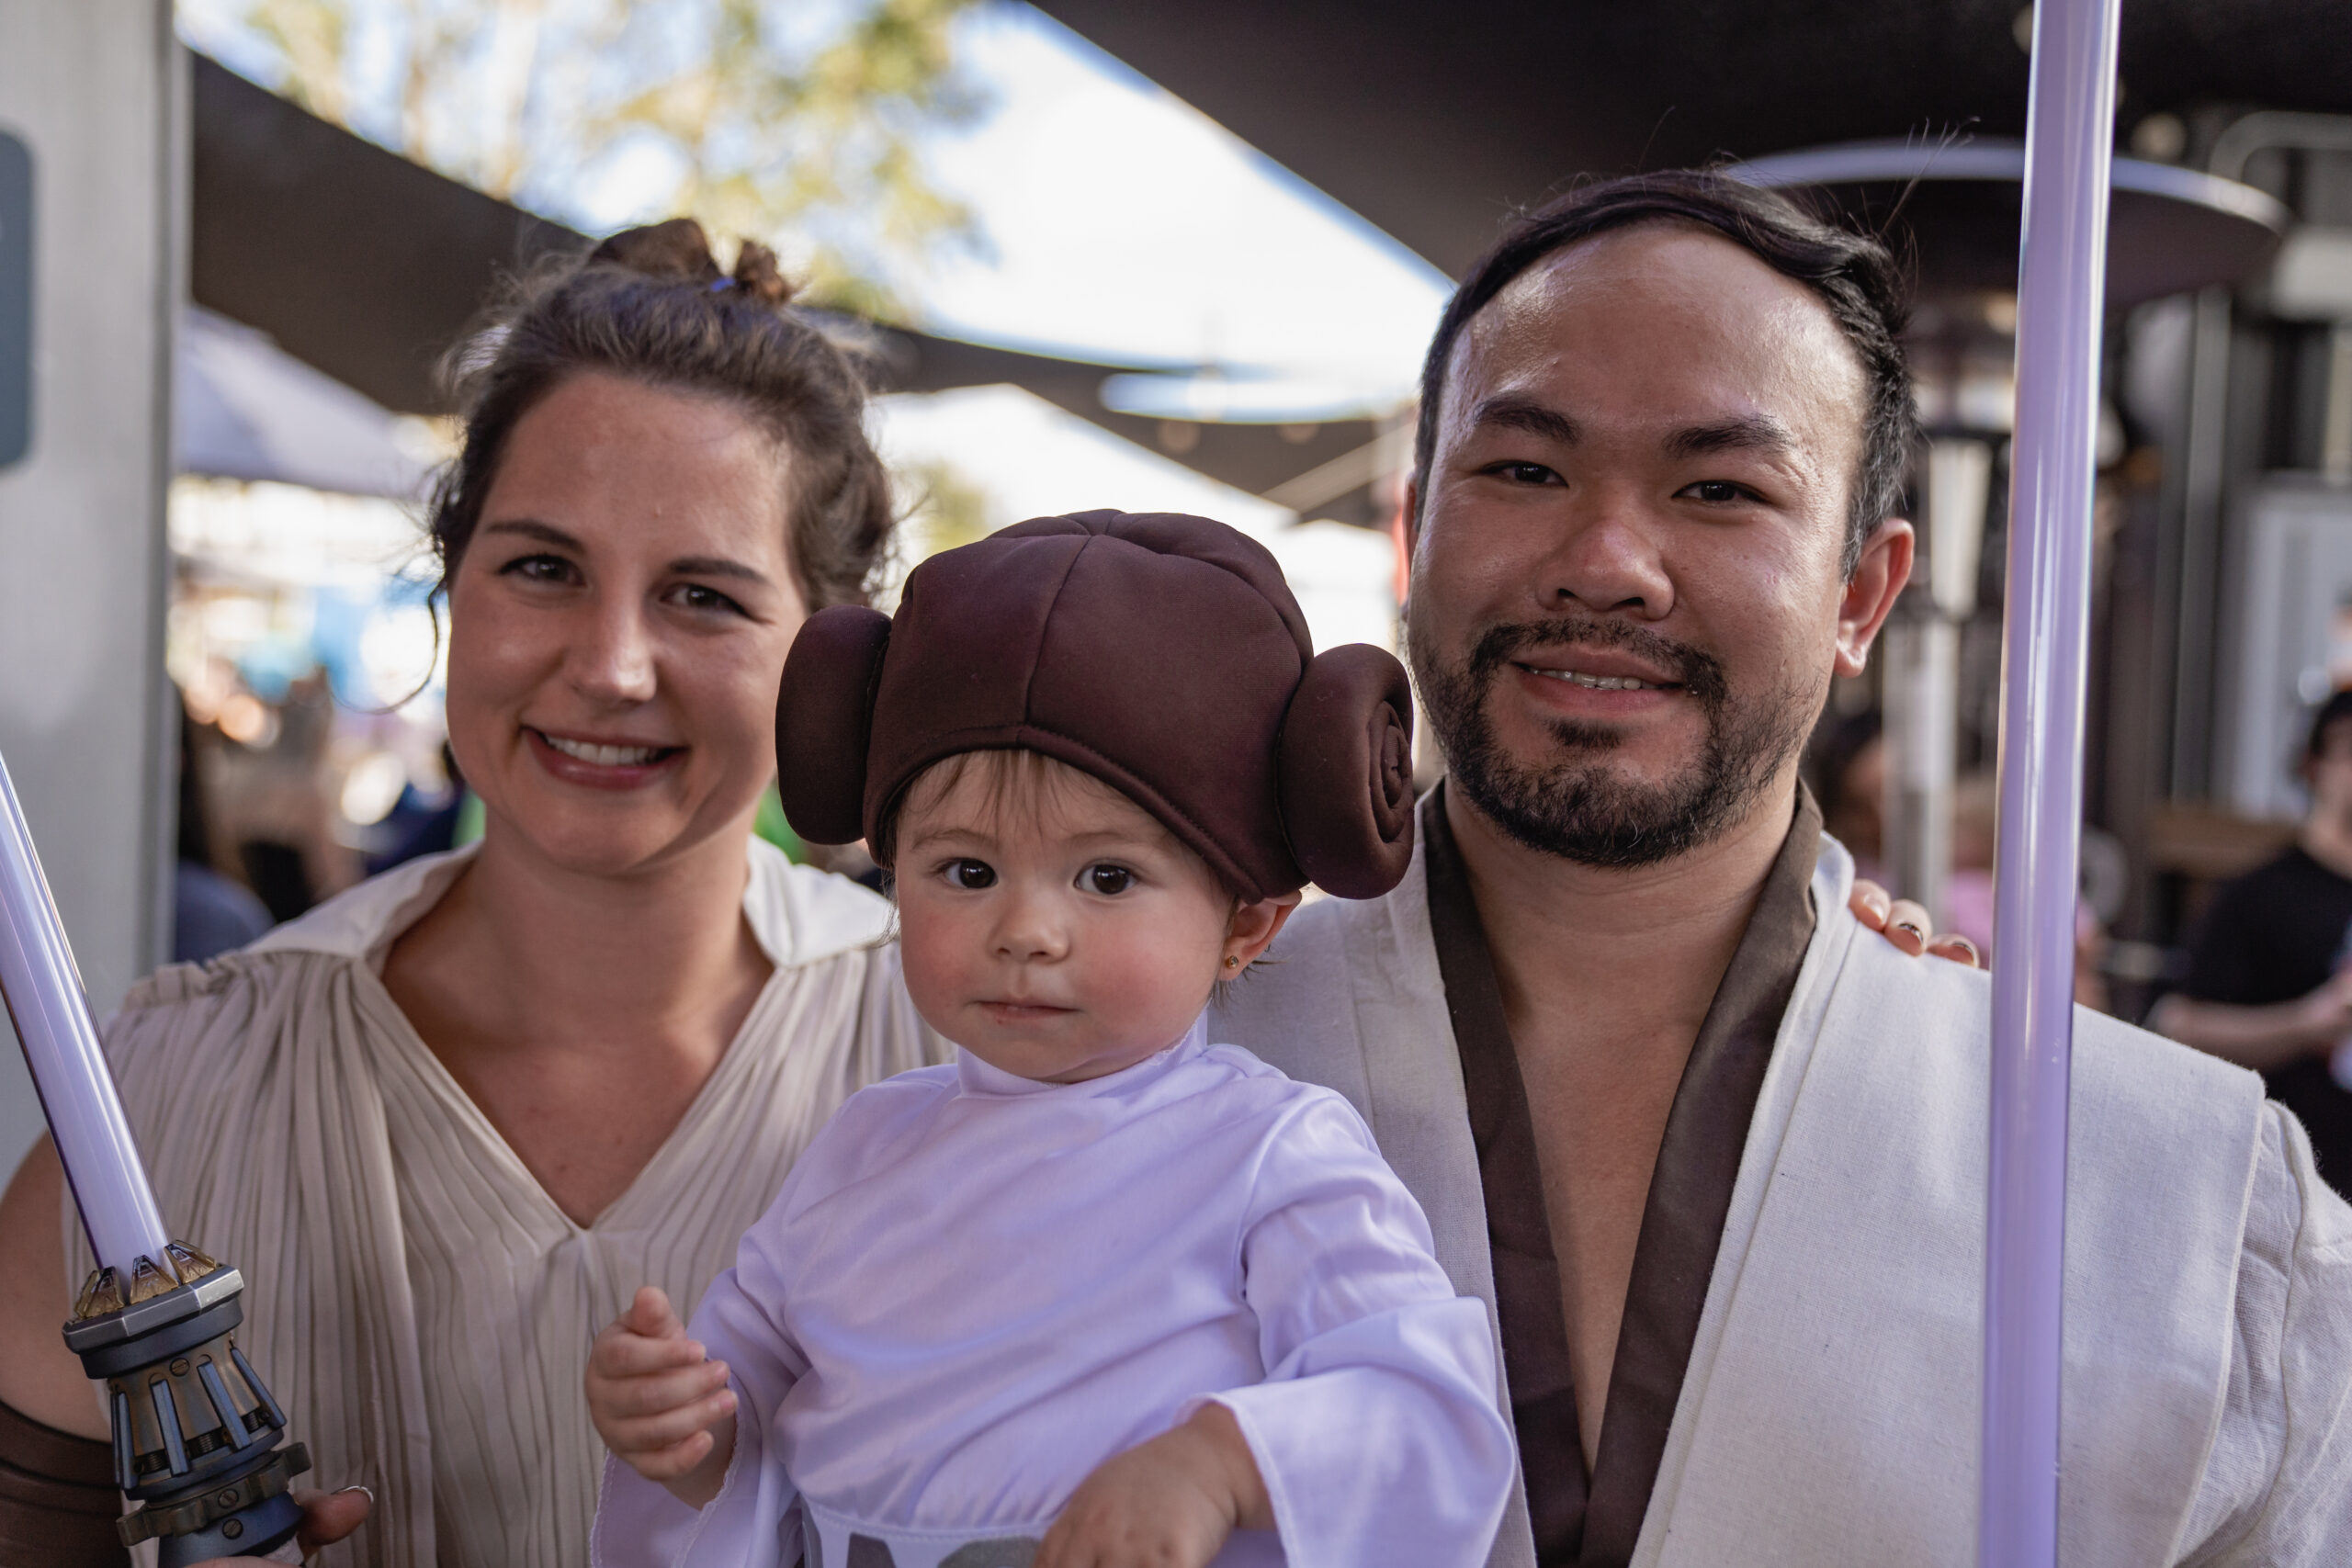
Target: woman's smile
{"points": [[603, 763]]}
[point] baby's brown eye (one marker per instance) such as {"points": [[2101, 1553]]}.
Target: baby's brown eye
{"points": [[1109, 879], [972, 874]]}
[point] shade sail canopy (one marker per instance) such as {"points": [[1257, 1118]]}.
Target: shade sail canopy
{"points": [[1435, 122], [244, 409]]}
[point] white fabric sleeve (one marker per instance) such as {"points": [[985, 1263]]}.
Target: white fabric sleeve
{"points": [[751, 1523], [1376, 1429], [2278, 1486]]}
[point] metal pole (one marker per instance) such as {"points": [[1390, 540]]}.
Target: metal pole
{"points": [[2061, 278], [43, 990]]}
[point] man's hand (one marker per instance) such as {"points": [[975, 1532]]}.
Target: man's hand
{"points": [[327, 1517], [661, 1406], [1906, 925], [1168, 1503]]}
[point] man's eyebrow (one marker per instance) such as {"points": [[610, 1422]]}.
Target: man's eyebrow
{"points": [[1527, 415], [1743, 433]]}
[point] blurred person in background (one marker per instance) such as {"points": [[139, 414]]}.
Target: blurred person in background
{"points": [[2269, 982], [1968, 894], [210, 914], [435, 1119], [1849, 762]]}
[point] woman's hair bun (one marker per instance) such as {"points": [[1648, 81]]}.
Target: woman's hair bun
{"points": [[756, 274], [824, 721], [1346, 771], [678, 249]]}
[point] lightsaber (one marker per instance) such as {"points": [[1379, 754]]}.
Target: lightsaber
{"points": [[195, 1431], [2061, 271]]}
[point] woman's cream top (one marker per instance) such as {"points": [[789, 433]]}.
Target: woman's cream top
{"points": [[419, 1305]]}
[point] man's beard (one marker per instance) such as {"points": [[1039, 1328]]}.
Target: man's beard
{"points": [[1579, 807]]}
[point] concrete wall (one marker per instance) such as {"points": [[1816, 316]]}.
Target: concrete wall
{"points": [[95, 88]]}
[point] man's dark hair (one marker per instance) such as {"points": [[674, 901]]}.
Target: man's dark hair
{"points": [[1853, 273]]}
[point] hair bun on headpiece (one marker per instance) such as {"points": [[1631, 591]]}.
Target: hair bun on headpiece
{"points": [[1346, 771], [824, 721], [1162, 654]]}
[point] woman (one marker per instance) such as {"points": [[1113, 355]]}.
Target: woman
{"points": [[449, 1122]]}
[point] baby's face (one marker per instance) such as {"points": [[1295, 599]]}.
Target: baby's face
{"points": [[1054, 929]]}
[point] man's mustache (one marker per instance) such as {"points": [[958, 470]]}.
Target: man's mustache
{"points": [[1702, 674]]}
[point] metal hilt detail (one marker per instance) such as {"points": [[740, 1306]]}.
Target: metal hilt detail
{"points": [[195, 1431]]}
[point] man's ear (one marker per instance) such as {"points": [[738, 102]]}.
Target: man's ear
{"points": [[1871, 592]]}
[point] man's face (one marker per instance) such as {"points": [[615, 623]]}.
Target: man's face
{"points": [[1627, 599]]}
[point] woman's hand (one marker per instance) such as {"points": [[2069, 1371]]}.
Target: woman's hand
{"points": [[1906, 925], [327, 1517], [1168, 1503], [660, 1405]]}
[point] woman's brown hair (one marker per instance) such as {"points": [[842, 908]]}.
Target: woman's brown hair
{"points": [[652, 306]]}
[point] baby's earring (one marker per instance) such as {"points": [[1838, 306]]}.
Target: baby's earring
{"points": [[1231, 962]]}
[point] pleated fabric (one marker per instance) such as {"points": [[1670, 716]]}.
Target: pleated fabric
{"points": [[418, 1304]]}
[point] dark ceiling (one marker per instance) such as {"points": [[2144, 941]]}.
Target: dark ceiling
{"points": [[1434, 120]]}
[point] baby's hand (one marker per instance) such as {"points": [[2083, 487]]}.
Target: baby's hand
{"points": [[1168, 1503], [661, 1408]]}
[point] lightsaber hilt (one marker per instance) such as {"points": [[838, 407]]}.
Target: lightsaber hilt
{"points": [[196, 1432]]}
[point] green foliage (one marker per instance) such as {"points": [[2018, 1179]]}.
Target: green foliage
{"points": [[791, 121]]}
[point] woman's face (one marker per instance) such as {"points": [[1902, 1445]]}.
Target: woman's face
{"points": [[618, 625]]}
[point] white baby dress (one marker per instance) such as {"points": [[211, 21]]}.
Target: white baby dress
{"points": [[974, 1288]]}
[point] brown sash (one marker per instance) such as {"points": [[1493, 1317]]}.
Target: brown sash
{"points": [[58, 1504], [1594, 1521]]}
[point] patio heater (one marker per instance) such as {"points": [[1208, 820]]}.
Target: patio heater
{"points": [[196, 1432]]}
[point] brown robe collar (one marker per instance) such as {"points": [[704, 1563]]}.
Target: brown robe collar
{"points": [[1593, 1520]]}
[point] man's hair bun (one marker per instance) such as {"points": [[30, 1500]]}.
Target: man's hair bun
{"points": [[824, 721], [1346, 771], [678, 249]]}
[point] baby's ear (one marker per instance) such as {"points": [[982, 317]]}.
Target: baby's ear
{"points": [[824, 721], [1346, 771]]}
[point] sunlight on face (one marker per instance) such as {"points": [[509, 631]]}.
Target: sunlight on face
{"points": [[1050, 926]]}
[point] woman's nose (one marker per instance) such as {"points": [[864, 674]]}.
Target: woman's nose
{"points": [[613, 660]]}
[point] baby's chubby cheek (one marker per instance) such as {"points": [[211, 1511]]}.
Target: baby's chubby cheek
{"points": [[1149, 991]]}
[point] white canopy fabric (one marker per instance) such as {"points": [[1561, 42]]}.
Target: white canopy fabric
{"points": [[245, 409]]}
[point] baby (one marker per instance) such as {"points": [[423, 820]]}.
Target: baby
{"points": [[1102, 1292]]}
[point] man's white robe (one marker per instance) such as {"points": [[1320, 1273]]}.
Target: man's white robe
{"points": [[1828, 1415]]}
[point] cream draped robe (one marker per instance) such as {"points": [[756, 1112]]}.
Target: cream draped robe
{"points": [[415, 1300], [1828, 1417]]}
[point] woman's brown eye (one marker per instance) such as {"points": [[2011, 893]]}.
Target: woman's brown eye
{"points": [[1109, 879], [972, 874]]}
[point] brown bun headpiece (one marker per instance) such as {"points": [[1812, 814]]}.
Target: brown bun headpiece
{"points": [[1160, 653]]}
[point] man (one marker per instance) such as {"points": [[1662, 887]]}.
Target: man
{"points": [[1718, 1165], [2269, 985]]}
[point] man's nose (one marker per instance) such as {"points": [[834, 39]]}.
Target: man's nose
{"points": [[612, 658], [1608, 557]]}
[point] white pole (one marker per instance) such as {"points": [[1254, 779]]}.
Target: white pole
{"points": [[2045, 638], [43, 990]]}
